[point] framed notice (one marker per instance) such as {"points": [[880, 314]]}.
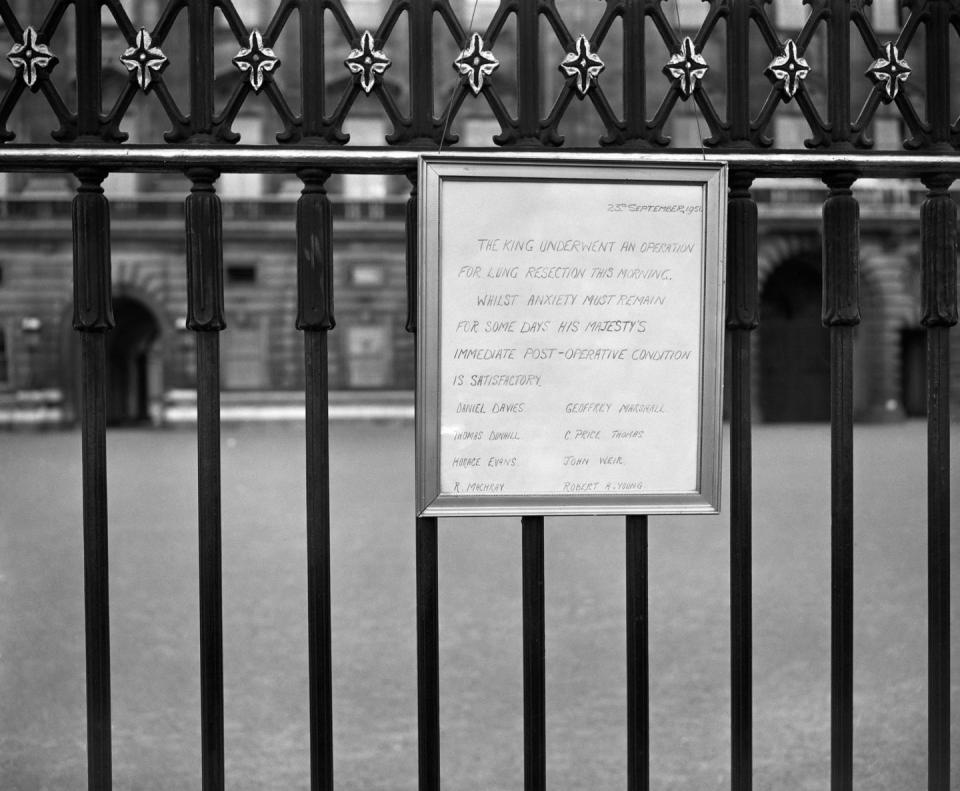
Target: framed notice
{"points": [[569, 335]]}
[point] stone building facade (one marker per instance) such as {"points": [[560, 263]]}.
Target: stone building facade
{"points": [[151, 359]]}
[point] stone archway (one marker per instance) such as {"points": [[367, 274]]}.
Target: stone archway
{"points": [[131, 362], [794, 346]]}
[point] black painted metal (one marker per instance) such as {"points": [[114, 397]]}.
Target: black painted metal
{"points": [[93, 317], [423, 127], [742, 319], [428, 596], [939, 240], [534, 657], [89, 69], [411, 257], [841, 313], [846, 27], [638, 655], [428, 655], [202, 69], [205, 316], [314, 125], [939, 14], [634, 80], [838, 62], [315, 317], [528, 64]]}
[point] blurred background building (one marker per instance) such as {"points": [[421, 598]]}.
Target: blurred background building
{"points": [[151, 354]]}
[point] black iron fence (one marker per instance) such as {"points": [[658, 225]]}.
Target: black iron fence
{"points": [[310, 146]]}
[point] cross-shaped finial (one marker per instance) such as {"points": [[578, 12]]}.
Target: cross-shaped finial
{"points": [[367, 62], [31, 57], [687, 67], [583, 65], [475, 63], [889, 72], [257, 60], [145, 59], [789, 67]]}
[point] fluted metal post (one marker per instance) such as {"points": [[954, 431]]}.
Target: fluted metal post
{"points": [[841, 313], [93, 317]]}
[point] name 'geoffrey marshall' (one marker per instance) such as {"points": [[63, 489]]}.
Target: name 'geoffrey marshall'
{"points": [[587, 407]]}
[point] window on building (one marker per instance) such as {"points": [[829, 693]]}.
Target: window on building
{"points": [[244, 185], [790, 131], [479, 11], [685, 131], [479, 132], [886, 15], [243, 354], [251, 11], [789, 15], [121, 185], [366, 14], [4, 357], [691, 13], [241, 274], [887, 134]]}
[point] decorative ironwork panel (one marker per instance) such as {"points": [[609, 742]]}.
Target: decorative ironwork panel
{"points": [[768, 73]]}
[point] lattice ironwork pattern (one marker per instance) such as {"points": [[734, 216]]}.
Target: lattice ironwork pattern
{"points": [[731, 67]]}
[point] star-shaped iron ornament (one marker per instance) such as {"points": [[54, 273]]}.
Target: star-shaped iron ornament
{"points": [[257, 60], [790, 68], [367, 62], [889, 72], [476, 63], [144, 59], [31, 57], [583, 65], [687, 67]]}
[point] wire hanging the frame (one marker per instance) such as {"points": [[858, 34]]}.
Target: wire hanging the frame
{"points": [[696, 108], [446, 112]]}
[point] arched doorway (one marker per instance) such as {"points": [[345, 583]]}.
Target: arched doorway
{"points": [[794, 345], [129, 362]]}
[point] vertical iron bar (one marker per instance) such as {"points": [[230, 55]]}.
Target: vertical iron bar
{"points": [[312, 68], [938, 71], [738, 70], [205, 316], [939, 245], [428, 655], [93, 317], [841, 313], [528, 73], [89, 68], [742, 319], [315, 318], [423, 129], [634, 77], [202, 68], [638, 655], [838, 69], [428, 602], [534, 655], [411, 250]]}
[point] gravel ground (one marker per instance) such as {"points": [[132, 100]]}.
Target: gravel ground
{"points": [[154, 625]]}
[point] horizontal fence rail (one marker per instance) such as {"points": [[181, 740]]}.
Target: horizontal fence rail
{"points": [[262, 159]]}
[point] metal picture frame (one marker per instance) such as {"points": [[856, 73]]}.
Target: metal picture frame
{"points": [[542, 387]]}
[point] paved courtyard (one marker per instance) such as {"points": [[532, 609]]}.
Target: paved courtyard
{"points": [[154, 622]]}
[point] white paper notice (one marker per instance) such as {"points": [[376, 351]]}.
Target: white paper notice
{"points": [[570, 327]]}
